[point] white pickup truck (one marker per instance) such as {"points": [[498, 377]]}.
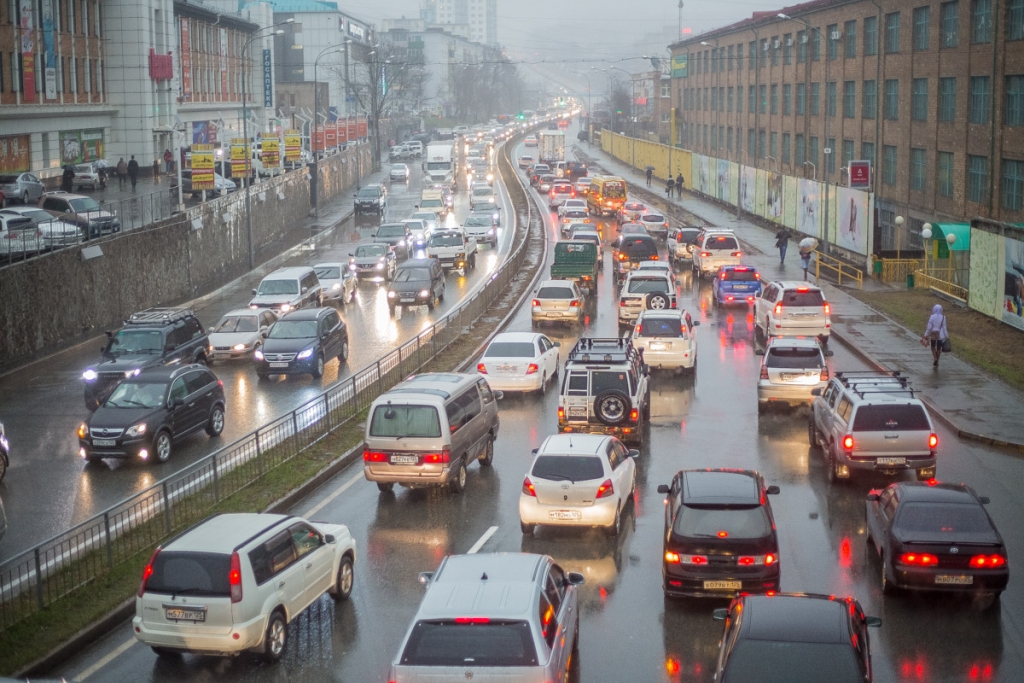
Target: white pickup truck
{"points": [[453, 249]]}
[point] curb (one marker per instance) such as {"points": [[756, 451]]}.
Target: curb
{"points": [[319, 479], [81, 640]]}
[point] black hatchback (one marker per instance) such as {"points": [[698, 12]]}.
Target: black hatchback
{"points": [[630, 250], [149, 411], [418, 282], [302, 342], [720, 535]]}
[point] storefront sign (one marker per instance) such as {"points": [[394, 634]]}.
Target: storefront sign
{"points": [[271, 153], [331, 133], [239, 160], [202, 167], [268, 80], [14, 154], [362, 128], [80, 146], [860, 175], [28, 44], [186, 62], [292, 145]]}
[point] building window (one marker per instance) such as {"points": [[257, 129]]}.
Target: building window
{"points": [[815, 98], [919, 99], [731, 99], [889, 164], [801, 151], [1014, 101], [847, 153], [815, 45], [787, 99], [949, 23], [870, 36], [801, 47], [917, 169], [775, 100], [728, 139], [832, 44], [752, 54], [850, 39], [947, 99], [944, 174], [739, 59], [812, 150], [801, 99], [870, 97], [922, 24], [849, 99], [787, 48], [785, 148], [763, 98], [1015, 20], [892, 99], [775, 50], [739, 99], [867, 152], [760, 144], [1013, 184], [979, 99], [774, 146], [981, 21], [977, 178], [830, 155], [751, 148], [751, 99], [892, 33]]}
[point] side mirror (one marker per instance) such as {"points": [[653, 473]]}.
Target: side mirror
{"points": [[663, 488], [305, 289], [758, 352], [695, 324], [178, 401], [873, 496], [873, 622], [328, 538], [103, 348], [110, 334], [575, 579], [425, 577], [816, 392], [772, 490], [498, 395], [264, 333], [534, 451], [169, 348], [634, 453], [985, 500], [351, 253], [829, 353], [556, 344], [720, 614], [254, 292]]}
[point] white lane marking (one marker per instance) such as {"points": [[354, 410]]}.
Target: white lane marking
{"points": [[483, 539], [323, 503], [106, 660]]}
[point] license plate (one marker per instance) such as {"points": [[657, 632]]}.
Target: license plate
{"points": [[579, 411], [658, 346], [891, 461], [723, 585], [564, 514], [408, 300], [278, 365], [954, 579], [741, 288], [404, 459], [508, 368], [104, 442], [185, 614], [789, 377]]}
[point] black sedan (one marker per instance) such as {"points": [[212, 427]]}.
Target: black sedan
{"points": [[936, 537], [789, 637], [302, 342], [720, 535]]}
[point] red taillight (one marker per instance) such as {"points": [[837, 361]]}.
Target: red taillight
{"points": [[445, 456], [705, 254], [536, 303], [235, 578], [745, 561], [803, 289], [481, 368], [532, 368], [828, 309], [654, 258], [988, 561], [528, 489], [671, 557], [723, 534], [561, 413], [472, 620], [919, 559], [374, 456], [764, 372], [606, 489], [769, 559], [730, 298], [622, 257], [933, 441], [778, 309], [722, 273], [575, 303], [148, 571], [823, 377], [848, 442], [634, 415], [737, 254]]}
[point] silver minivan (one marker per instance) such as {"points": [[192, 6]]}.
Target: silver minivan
{"points": [[427, 430], [508, 617]]}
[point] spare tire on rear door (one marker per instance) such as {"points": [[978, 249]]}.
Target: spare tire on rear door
{"points": [[657, 301], [611, 407]]}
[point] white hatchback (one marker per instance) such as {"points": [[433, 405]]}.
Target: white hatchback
{"points": [[578, 480], [238, 333], [557, 301], [667, 339], [520, 361]]}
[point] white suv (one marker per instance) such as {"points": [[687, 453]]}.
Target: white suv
{"points": [[791, 369], [232, 583], [645, 290], [792, 308], [716, 249]]}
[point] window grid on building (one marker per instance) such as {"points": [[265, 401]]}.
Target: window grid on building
{"points": [[917, 169], [1015, 20], [919, 99], [847, 153], [892, 99], [801, 99], [785, 148], [922, 26], [801, 151], [1013, 184], [949, 24], [849, 99], [979, 99], [977, 178], [787, 99], [812, 150], [816, 98], [867, 152], [892, 33], [981, 21], [775, 99], [944, 174], [1014, 107], [830, 155], [869, 97], [947, 99], [832, 42], [870, 36], [850, 39]]}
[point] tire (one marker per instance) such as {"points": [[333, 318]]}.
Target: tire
{"points": [[344, 580], [343, 356], [216, 423], [392, 310], [485, 458], [616, 526], [543, 385], [812, 431], [646, 411], [888, 588], [527, 529], [430, 303], [275, 640], [457, 484], [656, 302], [162, 447], [611, 407], [385, 486], [318, 367], [440, 297], [262, 376], [3, 467], [833, 463]]}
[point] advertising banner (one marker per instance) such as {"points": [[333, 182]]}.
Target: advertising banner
{"points": [[808, 216], [774, 199], [852, 227], [202, 167], [239, 165], [342, 131], [204, 132], [362, 128], [352, 128], [268, 81], [14, 154], [28, 45], [50, 65], [747, 182], [80, 146], [224, 63], [292, 145], [331, 135], [319, 139], [186, 62], [860, 174], [271, 153], [679, 63], [1013, 283]]}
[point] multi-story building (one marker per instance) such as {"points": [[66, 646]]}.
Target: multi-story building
{"points": [[652, 104], [481, 16], [931, 93]]}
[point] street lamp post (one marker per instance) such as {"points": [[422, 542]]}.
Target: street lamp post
{"points": [[926, 235], [950, 239], [899, 235], [316, 111]]}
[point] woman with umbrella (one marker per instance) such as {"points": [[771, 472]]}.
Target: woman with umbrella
{"points": [[807, 247]]}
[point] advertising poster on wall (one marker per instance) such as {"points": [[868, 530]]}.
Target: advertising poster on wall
{"points": [[852, 220], [808, 219], [352, 128], [789, 201], [773, 201], [331, 134], [761, 193], [723, 181], [49, 46], [292, 145], [271, 153], [748, 182], [204, 132], [238, 160], [1013, 300], [27, 13], [342, 132], [14, 154], [202, 167], [80, 146]]}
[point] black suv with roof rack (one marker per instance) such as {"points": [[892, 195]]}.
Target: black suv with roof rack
{"points": [[149, 338], [605, 389]]}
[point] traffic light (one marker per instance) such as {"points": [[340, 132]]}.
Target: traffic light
{"points": [[618, 112], [521, 117]]}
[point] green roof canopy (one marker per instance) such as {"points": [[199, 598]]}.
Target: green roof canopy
{"points": [[963, 237]]}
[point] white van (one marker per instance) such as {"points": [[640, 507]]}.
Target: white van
{"points": [[416, 146], [287, 289]]}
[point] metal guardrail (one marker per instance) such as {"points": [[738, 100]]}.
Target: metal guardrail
{"points": [[923, 279], [897, 270], [36, 578], [838, 268]]}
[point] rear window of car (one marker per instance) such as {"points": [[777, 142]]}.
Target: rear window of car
{"points": [[511, 350], [567, 468], [695, 521], [601, 380], [889, 418], [405, 421], [638, 246], [647, 285], [391, 230], [492, 644], [687, 235], [190, 573], [769, 661], [722, 243], [794, 358], [943, 518], [739, 275], [798, 298], [661, 327], [555, 293]]}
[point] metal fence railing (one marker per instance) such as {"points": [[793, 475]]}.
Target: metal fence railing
{"points": [[38, 577]]}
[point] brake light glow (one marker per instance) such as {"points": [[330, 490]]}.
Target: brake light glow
{"points": [[606, 489], [778, 309], [828, 310], [528, 489], [235, 578], [920, 559], [723, 534], [622, 257], [848, 442], [803, 289], [740, 269], [737, 254], [705, 254], [823, 377], [561, 413], [444, 456], [987, 561], [147, 572], [472, 620], [536, 303], [693, 559], [532, 368], [481, 368], [575, 303], [671, 557], [933, 441], [374, 456], [764, 372], [634, 415]]}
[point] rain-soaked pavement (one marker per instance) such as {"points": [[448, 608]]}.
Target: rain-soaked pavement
{"points": [[49, 488], [628, 630]]}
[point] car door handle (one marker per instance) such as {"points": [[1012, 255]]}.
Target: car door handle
{"points": [[309, 566], [281, 585], [192, 404]]}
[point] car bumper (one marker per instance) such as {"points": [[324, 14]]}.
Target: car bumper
{"points": [[336, 294], [369, 271], [515, 383], [601, 513], [559, 316], [872, 464], [793, 394], [192, 639], [729, 298], [682, 255], [123, 448], [291, 367], [713, 265], [984, 581], [681, 583], [669, 359], [409, 475], [629, 314], [218, 355], [816, 330], [630, 433]]}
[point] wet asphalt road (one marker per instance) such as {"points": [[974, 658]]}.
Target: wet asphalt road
{"points": [[628, 630], [48, 488]]}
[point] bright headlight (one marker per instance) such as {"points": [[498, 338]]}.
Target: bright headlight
{"points": [[257, 354], [239, 347], [89, 375], [285, 308], [305, 354], [136, 430], [401, 243], [83, 431], [380, 266], [336, 285], [353, 266], [425, 292], [391, 295]]}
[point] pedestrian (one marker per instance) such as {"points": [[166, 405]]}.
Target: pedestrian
{"points": [[650, 172], [936, 333], [133, 171], [101, 172], [122, 173], [168, 160], [805, 262], [670, 185], [679, 185], [782, 241], [67, 178]]}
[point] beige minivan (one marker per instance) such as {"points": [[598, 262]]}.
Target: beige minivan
{"points": [[427, 430]]}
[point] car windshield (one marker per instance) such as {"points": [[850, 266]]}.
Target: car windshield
{"points": [[492, 644], [722, 243], [695, 521], [943, 519], [276, 287], [614, 190], [8, 179], [653, 218], [138, 395], [478, 221], [83, 168], [806, 298], [587, 237], [190, 573], [767, 661], [391, 231], [602, 380], [237, 323], [400, 167], [575, 213], [794, 358], [445, 241], [371, 250], [412, 275], [555, 293], [647, 285], [735, 275], [511, 350], [687, 235], [483, 192], [561, 189], [136, 341], [37, 216], [567, 468], [84, 204], [405, 421], [293, 329], [427, 216], [661, 327], [368, 193], [889, 418]]}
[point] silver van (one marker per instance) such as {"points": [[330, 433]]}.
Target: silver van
{"points": [[509, 617], [288, 289], [427, 430]]}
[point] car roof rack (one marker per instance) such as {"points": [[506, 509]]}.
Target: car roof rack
{"points": [[875, 382], [604, 350], [159, 315]]}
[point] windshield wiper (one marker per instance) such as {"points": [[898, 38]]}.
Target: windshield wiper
{"points": [[134, 403], [557, 477]]}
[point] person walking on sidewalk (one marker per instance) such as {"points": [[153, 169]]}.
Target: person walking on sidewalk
{"points": [[936, 333], [679, 185], [133, 171], [650, 172], [669, 185], [122, 173], [782, 242], [168, 159], [67, 178]]}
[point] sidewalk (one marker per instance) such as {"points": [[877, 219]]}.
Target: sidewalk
{"points": [[973, 404]]}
